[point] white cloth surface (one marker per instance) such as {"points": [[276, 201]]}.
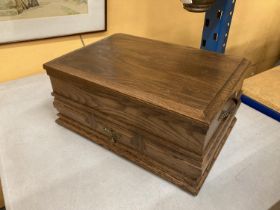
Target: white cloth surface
{"points": [[47, 167]]}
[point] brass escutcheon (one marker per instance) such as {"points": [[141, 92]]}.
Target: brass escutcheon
{"points": [[111, 134]]}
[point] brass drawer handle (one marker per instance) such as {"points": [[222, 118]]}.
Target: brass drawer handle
{"points": [[111, 134], [225, 114]]}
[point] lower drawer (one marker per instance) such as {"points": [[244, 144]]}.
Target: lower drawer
{"points": [[116, 133], [144, 149]]}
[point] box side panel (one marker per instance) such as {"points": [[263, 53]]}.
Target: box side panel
{"points": [[227, 110], [232, 85]]}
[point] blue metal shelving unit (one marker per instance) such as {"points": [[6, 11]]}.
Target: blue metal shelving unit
{"points": [[217, 25], [214, 38], [260, 107]]}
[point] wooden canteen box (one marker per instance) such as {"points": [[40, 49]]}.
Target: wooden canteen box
{"points": [[167, 108]]}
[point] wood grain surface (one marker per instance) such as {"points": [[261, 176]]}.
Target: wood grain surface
{"points": [[179, 158], [265, 88], [180, 179], [188, 81], [165, 107], [120, 109]]}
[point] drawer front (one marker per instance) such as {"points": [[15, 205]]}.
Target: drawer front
{"points": [[174, 130], [88, 119], [117, 133]]}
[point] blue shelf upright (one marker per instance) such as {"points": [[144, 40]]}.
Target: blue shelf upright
{"points": [[214, 38], [217, 25]]}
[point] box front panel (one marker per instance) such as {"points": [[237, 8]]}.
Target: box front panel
{"points": [[105, 119], [116, 133], [174, 131]]}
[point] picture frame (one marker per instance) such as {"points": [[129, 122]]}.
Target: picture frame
{"points": [[50, 18]]}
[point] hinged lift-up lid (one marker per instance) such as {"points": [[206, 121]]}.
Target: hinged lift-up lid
{"points": [[188, 81]]}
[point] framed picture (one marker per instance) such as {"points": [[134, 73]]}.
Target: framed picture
{"points": [[37, 19]]}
